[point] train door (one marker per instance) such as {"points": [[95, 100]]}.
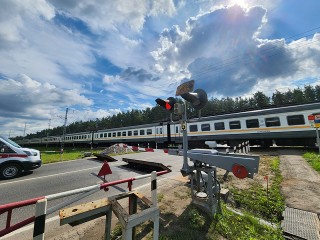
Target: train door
{"points": [[159, 133], [175, 133]]}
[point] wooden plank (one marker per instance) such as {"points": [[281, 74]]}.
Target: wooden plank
{"points": [[84, 212], [143, 198]]}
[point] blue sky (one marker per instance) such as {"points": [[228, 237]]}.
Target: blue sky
{"points": [[99, 58]]}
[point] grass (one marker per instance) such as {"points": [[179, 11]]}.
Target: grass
{"points": [[195, 224], [52, 154], [268, 205], [313, 159], [236, 227]]}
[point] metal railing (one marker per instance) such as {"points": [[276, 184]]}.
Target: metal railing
{"points": [[41, 210]]}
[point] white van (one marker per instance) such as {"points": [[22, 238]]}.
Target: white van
{"points": [[15, 159]]}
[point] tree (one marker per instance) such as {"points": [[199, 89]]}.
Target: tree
{"points": [[309, 94], [261, 100], [278, 98], [298, 96]]}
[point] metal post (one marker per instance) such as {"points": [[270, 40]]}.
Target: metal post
{"points": [[64, 133], [156, 227], [108, 224], [185, 168], [40, 220], [154, 188], [318, 142]]}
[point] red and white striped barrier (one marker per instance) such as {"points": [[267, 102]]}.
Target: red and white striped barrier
{"points": [[41, 204]]}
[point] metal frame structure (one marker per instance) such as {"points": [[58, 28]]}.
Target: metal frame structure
{"points": [[40, 202]]}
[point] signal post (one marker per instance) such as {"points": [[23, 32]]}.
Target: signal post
{"points": [[206, 195]]}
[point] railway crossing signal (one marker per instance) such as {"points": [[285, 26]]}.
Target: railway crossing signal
{"points": [[198, 98], [167, 104]]}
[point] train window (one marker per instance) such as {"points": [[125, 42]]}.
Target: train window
{"points": [[109, 135], [272, 122], [193, 128], [114, 134], [149, 131], [142, 132], [177, 129], [135, 132], [252, 123], [129, 133], [295, 120], [160, 130], [101, 135], [219, 126], [105, 135], [119, 134], [205, 127], [234, 125], [124, 133]]}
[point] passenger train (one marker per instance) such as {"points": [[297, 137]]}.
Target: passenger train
{"points": [[282, 126]]}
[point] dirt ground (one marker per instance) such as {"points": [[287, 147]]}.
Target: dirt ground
{"points": [[300, 186]]}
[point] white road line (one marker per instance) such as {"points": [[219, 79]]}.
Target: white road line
{"points": [[57, 174]]}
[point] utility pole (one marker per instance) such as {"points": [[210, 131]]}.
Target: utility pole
{"points": [[24, 131], [64, 132], [48, 132]]}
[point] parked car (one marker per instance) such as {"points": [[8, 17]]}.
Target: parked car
{"points": [[15, 159]]}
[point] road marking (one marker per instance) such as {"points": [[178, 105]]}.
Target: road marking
{"points": [[57, 174]]}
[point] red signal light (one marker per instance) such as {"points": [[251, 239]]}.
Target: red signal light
{"points": [[167, 104]]}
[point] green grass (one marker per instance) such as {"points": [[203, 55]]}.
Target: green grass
{"points": [[313, 159], [267, 205], [52, 154], [194, 224], [236, 227]]}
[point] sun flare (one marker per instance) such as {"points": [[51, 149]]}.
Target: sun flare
{"points": [[241, 3]]}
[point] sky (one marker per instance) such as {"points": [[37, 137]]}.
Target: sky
{"points": [[98, 58]]}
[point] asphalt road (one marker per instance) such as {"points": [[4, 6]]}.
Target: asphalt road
{"points": [[65, 176]]}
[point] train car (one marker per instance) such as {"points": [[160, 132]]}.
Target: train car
{"points": [[282, 126]]}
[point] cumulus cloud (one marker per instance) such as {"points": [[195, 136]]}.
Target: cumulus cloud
{"points": [[32, 44], [13, 14], [24, 97], [119, 15], [222, 51]]}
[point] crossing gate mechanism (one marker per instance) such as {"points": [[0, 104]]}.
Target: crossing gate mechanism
{"points": [[204, 184]]}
